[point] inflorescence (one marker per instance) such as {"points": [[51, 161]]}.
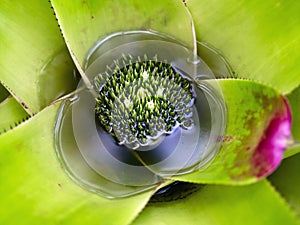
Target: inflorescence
{"points": [[140, 100]]}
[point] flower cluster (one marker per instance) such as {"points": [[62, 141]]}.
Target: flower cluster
{"points": [[140, 100]]}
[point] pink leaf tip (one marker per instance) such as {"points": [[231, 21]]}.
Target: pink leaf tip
{"points": [[276, 139]]}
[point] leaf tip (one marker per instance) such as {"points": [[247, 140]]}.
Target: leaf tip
{"points": [[269, 152]]}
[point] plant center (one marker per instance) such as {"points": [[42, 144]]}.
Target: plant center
{"points": [[141, 100]]}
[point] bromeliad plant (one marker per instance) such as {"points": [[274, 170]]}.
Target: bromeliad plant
{"points": [[260, 41]]}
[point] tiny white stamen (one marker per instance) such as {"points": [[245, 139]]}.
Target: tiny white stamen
{"points": [[142, 93], [150, 105], [145, 75], [160, 91], [128, 103]]}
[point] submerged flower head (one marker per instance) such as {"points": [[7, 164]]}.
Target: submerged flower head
{"points": [[142, 100]]}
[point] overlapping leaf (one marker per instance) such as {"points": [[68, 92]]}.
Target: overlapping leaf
{"points": [[84, 23], [294, 100], [254, 204], [287, 181], [34, 186], [33, 53], [11, 114], [261, 40], [250, 109], [3, 93]]}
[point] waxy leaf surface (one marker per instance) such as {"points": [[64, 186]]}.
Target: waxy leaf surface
{"points": [[261, 40], [287, 181], [250, 149], [84, 23], [36, 188], [11, 114], [34, 63], [223, 205]]}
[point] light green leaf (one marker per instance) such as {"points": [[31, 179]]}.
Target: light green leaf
{"points": [[257, 204], [261, 39], [35, 190], [83, 23], [30, 44], [250, 108], [287, 181], [11, 114]]}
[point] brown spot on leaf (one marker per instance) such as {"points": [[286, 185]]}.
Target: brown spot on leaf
{"points": [[24, 105], [223, 139]]}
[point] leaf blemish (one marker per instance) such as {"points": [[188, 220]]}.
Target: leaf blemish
{"points": [[24, 105], [223, 139]]}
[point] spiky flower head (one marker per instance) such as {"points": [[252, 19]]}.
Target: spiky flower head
{"points": [[142, 99]]}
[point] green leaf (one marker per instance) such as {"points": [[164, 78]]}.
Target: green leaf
{"points": [[3, 93], [294, 100], [261, 39], [257, 204], [35, 190], [292, 150], [287, 181], [83, 23], [250, 109], [30, 44], [11, 114]]}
